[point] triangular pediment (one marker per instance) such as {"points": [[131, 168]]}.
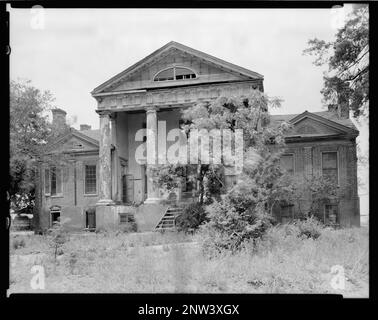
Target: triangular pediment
{"points": [[309, 124], [73, 142], [208, 69]]}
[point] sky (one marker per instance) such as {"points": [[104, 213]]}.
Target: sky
{"points": [[71, 51]]}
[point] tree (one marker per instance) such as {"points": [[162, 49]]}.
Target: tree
{"points": [[347, 57], [247, 113], [30, 132], [243, 210]]}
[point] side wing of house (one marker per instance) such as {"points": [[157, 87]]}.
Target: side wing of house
{"points": [[69, 180], [318, 146]]}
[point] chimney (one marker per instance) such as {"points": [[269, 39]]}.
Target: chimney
{"points": [[343, 107], [343, 92], [85, 127], [59, 118]]}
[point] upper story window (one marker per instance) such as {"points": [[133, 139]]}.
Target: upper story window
{"points": [[287, 163], [53, 181], [329, 166], [175, 73], [90, 179]]}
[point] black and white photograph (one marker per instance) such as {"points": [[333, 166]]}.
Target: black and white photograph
{"points": [[189, 151]]}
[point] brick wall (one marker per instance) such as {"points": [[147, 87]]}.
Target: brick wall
{"points": [[72, 207], [307, 157]]}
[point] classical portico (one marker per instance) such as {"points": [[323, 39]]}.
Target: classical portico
{"points": [[111, 122], [155, 89]]}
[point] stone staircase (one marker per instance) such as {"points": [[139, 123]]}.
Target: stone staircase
{"points": [[167, 222]]}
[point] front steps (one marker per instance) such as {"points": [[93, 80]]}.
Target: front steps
{"points": [[167, 222]]}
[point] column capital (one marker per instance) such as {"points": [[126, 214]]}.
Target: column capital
{"points": [[112, 116], [103, 113], [151, 109]]}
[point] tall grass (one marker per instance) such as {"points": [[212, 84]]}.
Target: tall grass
{"points": [[279, 262]]}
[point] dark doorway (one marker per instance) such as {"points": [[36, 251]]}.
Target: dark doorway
{"points": [[90, 219], [144, 177], [127, 188], [55, 217], [124, 189]]}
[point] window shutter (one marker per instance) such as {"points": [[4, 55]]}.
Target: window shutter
{"points": [[59, 181], [47, 181]]}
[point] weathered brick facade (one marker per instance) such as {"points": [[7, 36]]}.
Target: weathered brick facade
{"points": [[72, 202]]}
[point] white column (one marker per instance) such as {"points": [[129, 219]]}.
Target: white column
{"points": [[115, 160], [151, 124], [105, 174]]}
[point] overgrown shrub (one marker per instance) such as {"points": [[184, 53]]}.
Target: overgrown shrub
{"points": [[228, 228], [72, 262], [101, 230], [310, 228], [131, 226], [192, 217], [59, 237], [278, 237]]}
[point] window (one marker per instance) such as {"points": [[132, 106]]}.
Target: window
{"points": [[123, 218], [124, 189], [55, 217], [90, 179], [183, 73], [175, 73], [331, 214], [189, 185], [329, 166], [287, 213], [287, 163], [53, 181]]}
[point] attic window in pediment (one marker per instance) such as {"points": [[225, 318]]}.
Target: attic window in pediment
{"points": [[175, 73]]}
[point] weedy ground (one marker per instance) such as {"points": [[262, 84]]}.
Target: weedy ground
{"points": [[281, 262]]}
